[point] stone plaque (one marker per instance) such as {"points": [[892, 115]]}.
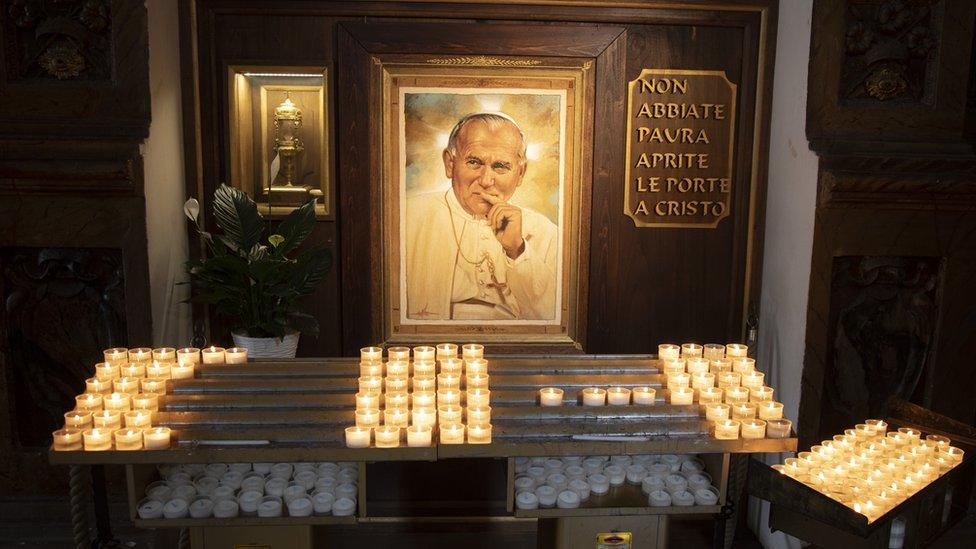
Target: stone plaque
{"points": [[680, 127]]}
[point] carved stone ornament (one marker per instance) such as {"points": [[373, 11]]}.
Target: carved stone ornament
{"points": [[484, 61]]}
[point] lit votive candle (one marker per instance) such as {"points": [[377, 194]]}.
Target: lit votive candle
{"points": [[479, 434], [712, 351], [689, 350], [424, 352], [89, 402], [121, 402], [396, 417], [396, 384], [128, 439], [213, 355], [717, 412], [472, 350], [753, 379], [446, 350], [736, 395], [879, 426], [449, 413], [616, 396], [78, 419], [644, 396], [424, 416], [863, 431], [156, 438], [682, 395], [235, 355], [743, 365], [448, 381], [452, 433], [753, 428], [710, 395], [703, 380], [425, 368], [476, 381], [399, 400], [678, 380], [164, 354], [733, 350], [398, 353], [728, 379], [137, 420], [117, 356], [953, 454], [770, 410], [424, 383], [398, 368], [476, 366], [182, 371], [448, 397], [106, 371], [423, 399], [667, 351], [914, 435], [66, 440], [940, 441], [188, 354], [147, 402], [551, 396], [97, 440], [155, 385], [367, 417], [133, 369], [479, 415], [370, 384], [371, 354], [761, 394], [727, 429], [419, 435], [453, 366], [107, 419], [358, 437], [744, 411], [594, 396], [673, 366], [387, 436], [141, 354], [697, 365], [126, 385], [367, 400], [477, 397], [160, 370]]}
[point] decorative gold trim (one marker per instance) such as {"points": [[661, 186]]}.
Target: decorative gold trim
{"points": [[483, 61]]}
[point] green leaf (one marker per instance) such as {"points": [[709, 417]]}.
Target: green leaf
{"points": [[238, 216], [275, 240], [296, 227]]}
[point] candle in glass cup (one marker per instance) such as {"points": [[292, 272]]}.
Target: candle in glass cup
{"points": [[914, 435], [367, 417], [423, 399], [472, 350], [358, 437], [696, 365], [710, 395], [753, 428], [235, 355], [213, 355], [594, 396], [399, 400], [117, 356], [452, 433], [419, 436], [424, 383], [137, 420], [704, 380], [736, 395], [727, 429], [159, 370], [673, 366], [733, 350], [717, 412], [156, 385], [477, 397], [97, 440], [387, 436], [141, 354], [133, 369], [725, 380], [396, 384], [479, 434], [164, 354], [95, 385], [712, 351], [371, 354], [121, 402], [667, 351], [126, 385], [476, 366], [448, 397], [678, 380], [743, 365], [941, 442], [424, 352], [424, 416], [396, 417], [879, 426], [744, 411], [188, 354], [446, 350], [156, 438], [479, 415], [953, 454], [89, 402], [761, 394], [476, 381], [616, 396], [752, 379], [719, 365], [551, 396], [367, 400], [78, 419], [148, 402], [644, 395], [448, 381], [398, 353], [128, 439], [105, 371], [770, 410], [67, 440], [449, 413], [689, 350], [398, 368], [452, 366], [182, 371], [682, 395], [370, 384]]}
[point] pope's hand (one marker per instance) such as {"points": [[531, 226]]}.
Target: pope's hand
{"points": [[506, 221]]}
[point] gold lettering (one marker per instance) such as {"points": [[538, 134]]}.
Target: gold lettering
{"points": [[642, 133], [642, 161], [641, 187], [663, 85], [642, 208], [655, 183], [645, 110], [657, 208]]}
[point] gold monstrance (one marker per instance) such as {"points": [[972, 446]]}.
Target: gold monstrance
{"points": [[286, 188]]}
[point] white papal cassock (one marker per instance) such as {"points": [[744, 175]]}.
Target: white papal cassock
{"points": [[478, 281]]}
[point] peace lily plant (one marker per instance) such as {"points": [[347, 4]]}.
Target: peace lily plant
{"points": [[253, 282]]}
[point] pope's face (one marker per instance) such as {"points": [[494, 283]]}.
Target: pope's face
{"points": [[485, 170]]}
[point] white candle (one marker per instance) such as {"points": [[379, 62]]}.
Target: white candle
{"points": [[370, 369], [448, 381], [97, 440], [156, 438], [678, 380], [761, 394], [594, 396], [395, 418], [387, 436], [424, 416], [743, 365], [689, 350], [753, 428], [448, 397], [126, 385], [133, 369], [164, 354], [673, 366], [371, 354], [719, 365], [667, 351], [159, 370], [117, 356], [367, 417], [66, 440], [396, 384], [479, 415], [118, 401], [703, 380], [616, 396], [137, 420], [235, 355], [551, 396], [682, 395], [424, 352], [478, 397], [423, 399], [644, 396], [370, 384], [398, 353], [452, 366], [712, 351], [423, 384], [88, 402], [727, 429], [752, 379], [449, 413], [717, 412], [213, 355], [476, 381], [472, 350], [447, 350], [710, 395], [697, 365], [367, 400], [736, 395], [188, 354], [397, 401], [743, 411], [107, 419], [479, 434], [419, 435], [78, 419], [398, 368], [770, 410], [128, 439], [733, 350], [879, 426], [452, 433], [182, 371], [476, 366], [155, 385], [106, 371], [357, 437], [142, 354]]}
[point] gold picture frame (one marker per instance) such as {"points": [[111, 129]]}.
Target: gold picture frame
{"points": [[253, 93], [513, 80]]}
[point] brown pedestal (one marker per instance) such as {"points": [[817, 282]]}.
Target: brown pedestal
{"points": [[648, 531]]}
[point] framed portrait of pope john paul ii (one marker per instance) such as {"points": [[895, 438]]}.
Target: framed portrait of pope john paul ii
{"points": [[483, 192]]}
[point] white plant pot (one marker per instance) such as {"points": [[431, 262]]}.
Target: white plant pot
{"points": [[268, 347]]}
